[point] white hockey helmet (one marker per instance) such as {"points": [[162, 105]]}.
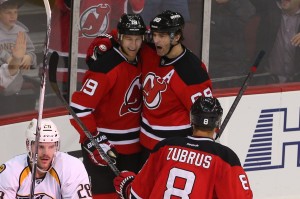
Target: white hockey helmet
{"points": [[48, 132]]}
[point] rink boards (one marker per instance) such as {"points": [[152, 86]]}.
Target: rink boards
{"points": [[264, 131]]}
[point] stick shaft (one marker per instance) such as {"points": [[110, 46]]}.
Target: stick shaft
{"points": [[53, 82], [41, 99], [241, 92]]}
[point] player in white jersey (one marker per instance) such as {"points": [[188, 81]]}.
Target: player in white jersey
{"points": [[58, 174]]}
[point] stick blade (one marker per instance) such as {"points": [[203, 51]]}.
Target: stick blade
{"points": [[53, 62]]}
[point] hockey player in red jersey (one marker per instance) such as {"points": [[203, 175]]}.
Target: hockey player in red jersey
{"points": [[109, 104], [194, 167], [173, 78]]}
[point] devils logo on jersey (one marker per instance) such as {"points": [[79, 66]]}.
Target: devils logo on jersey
{"points": [[153, 86], [94, 20], [132, 99]]}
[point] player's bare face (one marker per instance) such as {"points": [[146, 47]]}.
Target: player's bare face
{"points": [[130, 45], [8, 17], [162, 42], [46, 151], [290, 6]]}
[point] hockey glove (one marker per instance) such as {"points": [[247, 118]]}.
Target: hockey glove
{"points": [[122, 183], [99, 45], [107, 147]]}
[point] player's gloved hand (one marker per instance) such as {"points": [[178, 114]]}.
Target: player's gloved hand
{"points": [[99, 45], [122, 183], [107, 147]]}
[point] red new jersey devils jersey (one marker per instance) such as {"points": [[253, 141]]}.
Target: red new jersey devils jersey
{"points": [[110, 101], [191, 167], [170, 87], [96, 17]]}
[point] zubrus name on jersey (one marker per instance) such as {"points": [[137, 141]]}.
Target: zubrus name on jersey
{"points": [[189, 157]]}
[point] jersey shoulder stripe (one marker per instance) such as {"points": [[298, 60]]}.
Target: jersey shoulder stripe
{"points": [[190, 70], [106, 62], [24, 174], [77, 110], [2, 168]]}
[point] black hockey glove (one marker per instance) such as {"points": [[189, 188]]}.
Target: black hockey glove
{"points": [[122, 183], [107, 147]]}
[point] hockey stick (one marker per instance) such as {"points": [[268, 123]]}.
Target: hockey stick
{"points": [[41, 100], [242, 90], [53, 82]]}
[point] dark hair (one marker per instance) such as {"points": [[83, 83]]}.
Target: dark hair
{"points": [[11, 4]]}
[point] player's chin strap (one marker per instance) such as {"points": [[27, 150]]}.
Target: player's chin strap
{"points": [[40, 169], [172, 36], [45, 171]]}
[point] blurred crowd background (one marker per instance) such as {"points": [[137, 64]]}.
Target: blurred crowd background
{"points": [[239, 29]]}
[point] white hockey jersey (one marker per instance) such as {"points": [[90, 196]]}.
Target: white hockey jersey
{"points": [[67, 179]]}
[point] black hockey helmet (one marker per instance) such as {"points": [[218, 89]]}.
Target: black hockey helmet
{"points": [[206, 113], [168, 21], [131, 24]]}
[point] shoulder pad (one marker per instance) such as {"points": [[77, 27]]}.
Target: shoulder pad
{"points": [[106, 62], [190, 70]]}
